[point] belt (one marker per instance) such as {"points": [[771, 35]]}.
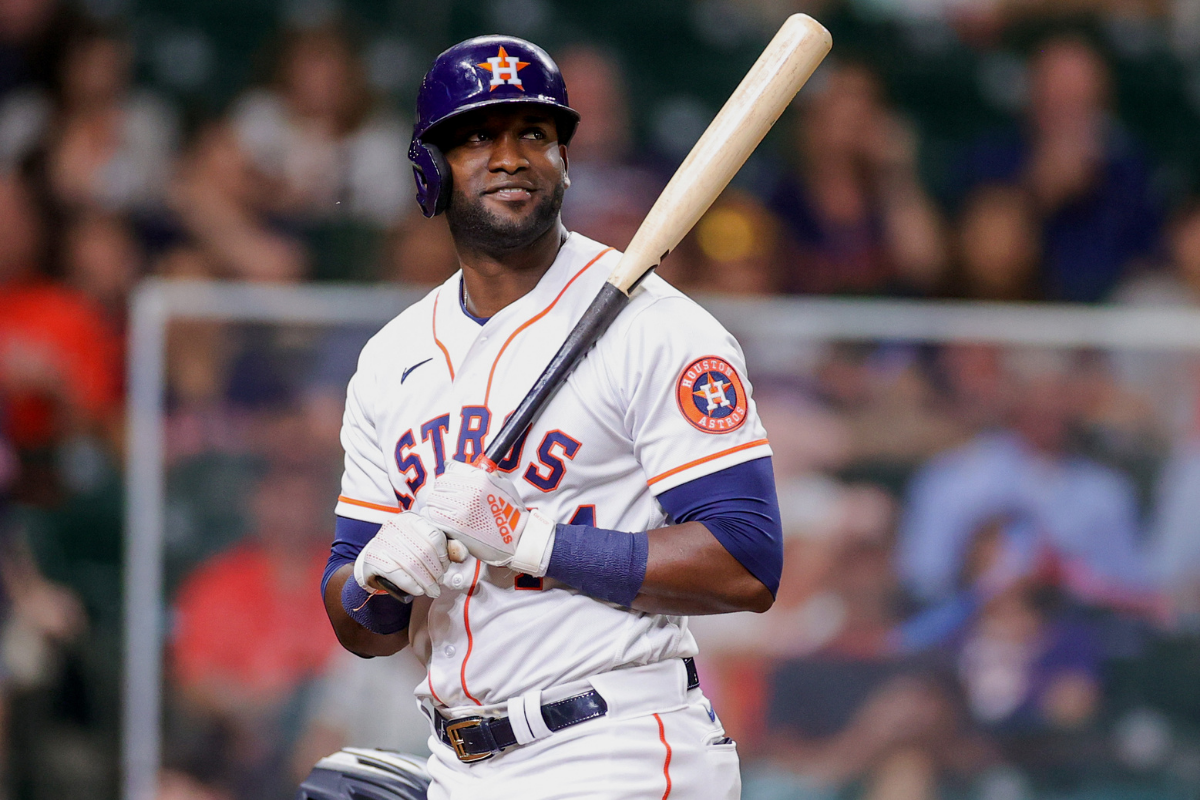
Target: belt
{"points": [[481, 738]]}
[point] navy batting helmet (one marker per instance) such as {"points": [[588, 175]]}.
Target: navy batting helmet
{"points": [[357, 774], [484, 71]]}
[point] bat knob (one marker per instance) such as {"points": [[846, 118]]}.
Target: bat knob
{"points": [[456, 550]]}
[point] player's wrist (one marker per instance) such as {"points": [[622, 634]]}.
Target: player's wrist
{"points": [[535, 545], [606, 565]]}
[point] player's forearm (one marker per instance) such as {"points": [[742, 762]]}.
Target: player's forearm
{"points": [[353, 636], [689, 572]]}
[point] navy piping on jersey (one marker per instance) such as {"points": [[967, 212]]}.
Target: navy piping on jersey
{"points": [[462, 303]]}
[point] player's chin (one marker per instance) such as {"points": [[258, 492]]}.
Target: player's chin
{"points": [[512, 217]]}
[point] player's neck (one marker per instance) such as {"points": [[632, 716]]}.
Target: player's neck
{"points": [[494, 280]]}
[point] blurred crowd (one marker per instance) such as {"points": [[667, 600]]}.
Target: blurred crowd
{"points": [[992, 584]]}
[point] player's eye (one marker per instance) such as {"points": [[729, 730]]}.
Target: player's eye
{"points": [[477, 136], [534, 133]]}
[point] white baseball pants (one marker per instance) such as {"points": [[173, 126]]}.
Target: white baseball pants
{"points": [[632, 753]]}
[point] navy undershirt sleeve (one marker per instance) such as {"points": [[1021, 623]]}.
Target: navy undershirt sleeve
{"points": [[739, 506], [349, 538]]}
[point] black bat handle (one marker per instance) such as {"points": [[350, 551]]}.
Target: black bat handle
{"points": [[394, 590], [599, 315]]}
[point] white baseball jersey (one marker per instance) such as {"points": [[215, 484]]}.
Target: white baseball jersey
{"points": [[661, 400]]}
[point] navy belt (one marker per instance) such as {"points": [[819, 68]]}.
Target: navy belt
{"points": [[480, 738]]}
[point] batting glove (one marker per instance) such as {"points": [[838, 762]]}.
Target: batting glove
{"points": [[483, 511], [409, 551]]}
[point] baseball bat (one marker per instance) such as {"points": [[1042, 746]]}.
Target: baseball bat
{"points": [[785, 65]]}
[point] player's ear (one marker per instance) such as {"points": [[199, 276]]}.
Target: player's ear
{"points": [[562, 151]]}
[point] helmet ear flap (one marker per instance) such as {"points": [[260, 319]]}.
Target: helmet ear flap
{"points": [[432, 174]]}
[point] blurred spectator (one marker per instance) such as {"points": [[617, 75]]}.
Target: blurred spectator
{"points": [[611, 191], [365, 703], [806, 435], [999, 246], [1177, 282], [1029, 666], [1167, 381], [888, 407], [250, 634], [198, 355], [1175, 534], [41, 624], [1081, 513], [883, 726], [855, 206], [740, 247], [827, 526], [219, 198], [1085, 174], [32, 35], [820, 699], [823, 521], [39, 617], [318, 138], [100, 142], [1026, 670], [103, 260], [60, 370], [974, 384]]}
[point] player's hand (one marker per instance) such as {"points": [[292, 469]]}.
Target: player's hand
{"points": [[483, 511], [409, 551]]}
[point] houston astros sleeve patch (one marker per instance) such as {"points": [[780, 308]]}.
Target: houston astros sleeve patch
{"points": [[711, 396]]}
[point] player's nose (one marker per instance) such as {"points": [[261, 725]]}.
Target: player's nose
{"points": [[506, 155]]}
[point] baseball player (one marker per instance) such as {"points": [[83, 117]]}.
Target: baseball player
{"points": [[559, 659]]}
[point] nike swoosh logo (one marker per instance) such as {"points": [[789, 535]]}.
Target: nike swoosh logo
{"points": [[404, 375]]}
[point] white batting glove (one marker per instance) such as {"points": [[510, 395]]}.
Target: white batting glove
{"points": [[483, 511], [409, 551]]}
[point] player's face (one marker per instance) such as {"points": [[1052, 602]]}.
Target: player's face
{"points": [[509, 174]]}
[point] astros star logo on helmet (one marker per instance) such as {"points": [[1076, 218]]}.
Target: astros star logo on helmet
{"points": [[504, 69], [711, 395]]}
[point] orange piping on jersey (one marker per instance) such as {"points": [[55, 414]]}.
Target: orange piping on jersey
{"points": [[389, 509], [470, 638], [429, 680], [487, 395], [438, 341], [690, 464], [662, 737]]}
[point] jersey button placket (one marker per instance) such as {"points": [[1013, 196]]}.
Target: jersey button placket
{"points": [[449, 651], [457, 581]]}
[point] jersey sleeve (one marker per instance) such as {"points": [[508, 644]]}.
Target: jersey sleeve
{"points": [[688, 404], [367, 492]]}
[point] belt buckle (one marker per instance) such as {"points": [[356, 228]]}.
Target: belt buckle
{"points": [[454, 734]]}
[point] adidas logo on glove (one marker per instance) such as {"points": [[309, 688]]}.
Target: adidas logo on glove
{"points": [[505, 515]]}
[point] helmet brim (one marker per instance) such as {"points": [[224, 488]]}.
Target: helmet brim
{"points": [[562, 112]]}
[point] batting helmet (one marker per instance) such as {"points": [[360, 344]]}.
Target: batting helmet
{"points": [[484, 71], [357, 774]]}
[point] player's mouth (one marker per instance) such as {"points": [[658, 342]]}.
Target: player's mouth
{"points": [[511, 193]]}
